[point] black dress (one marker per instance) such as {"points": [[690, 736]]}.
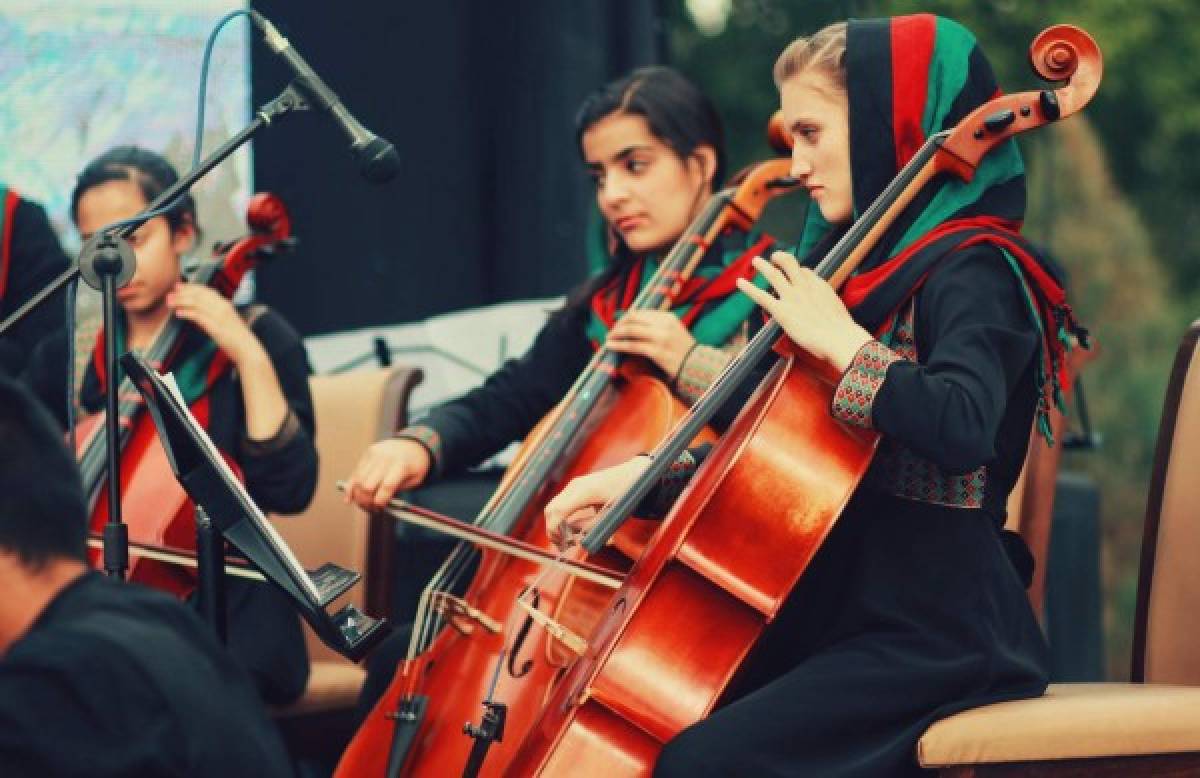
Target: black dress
{"points": [[911, 610], [280, 474], [35, 260], [118, 680]]}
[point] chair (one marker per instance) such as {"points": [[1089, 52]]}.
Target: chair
{"points": [[1150, 727], [352, 411]]}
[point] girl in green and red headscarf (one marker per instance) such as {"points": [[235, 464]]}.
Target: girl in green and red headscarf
{"points": [[654, 146], [950, 339]]}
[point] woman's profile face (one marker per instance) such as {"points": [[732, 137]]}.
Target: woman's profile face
{"points": [[816, 114], [645, 191], [156, 247]]}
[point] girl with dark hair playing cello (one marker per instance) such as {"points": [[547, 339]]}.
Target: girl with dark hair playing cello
{"points": [[910, 609], [654, 147], [246, 366]]}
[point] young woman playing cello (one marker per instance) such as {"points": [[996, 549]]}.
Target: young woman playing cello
{"points": [[654, 146], [910, 609], [260, 411]]}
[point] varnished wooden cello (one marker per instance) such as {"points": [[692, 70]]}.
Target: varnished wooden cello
{"points": [[614, 410], [154, 506], [739, 537]]}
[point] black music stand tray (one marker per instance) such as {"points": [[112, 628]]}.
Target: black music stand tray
{"points": [[210, 483]]}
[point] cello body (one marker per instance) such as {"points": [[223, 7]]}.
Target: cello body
{"points": [[458, 669], [154, 506], [710, 581]]}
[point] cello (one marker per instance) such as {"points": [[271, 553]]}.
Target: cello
{"points": [[755, 513], [615, 409], [156, 509]]}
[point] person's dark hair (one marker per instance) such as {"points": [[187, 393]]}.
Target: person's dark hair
{"points": [[678, 114], [150, 171], [42, 510]]}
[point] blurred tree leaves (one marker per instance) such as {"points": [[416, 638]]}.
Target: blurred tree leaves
{"points": [[1147, 110]]}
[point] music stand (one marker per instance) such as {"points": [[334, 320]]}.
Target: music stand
{"points": [[207, 479]]}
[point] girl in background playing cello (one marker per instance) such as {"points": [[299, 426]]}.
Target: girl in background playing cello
{"points": [[260, 411], [654, 146], [911, 609]]}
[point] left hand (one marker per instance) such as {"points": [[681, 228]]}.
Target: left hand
{"points": [[656, 335], [215, 315], [808, 309]]}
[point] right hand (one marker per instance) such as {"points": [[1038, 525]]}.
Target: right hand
{"points": [[575, 509], [386, 467]]}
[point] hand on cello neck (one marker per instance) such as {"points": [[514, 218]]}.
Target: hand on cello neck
{"points": [[808, 310], [658, 336]]}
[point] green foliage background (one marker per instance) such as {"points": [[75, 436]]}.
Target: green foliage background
{"points": [[1112, 195]]}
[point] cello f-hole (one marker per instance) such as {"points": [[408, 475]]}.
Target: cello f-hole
{"points": [[522, 634]]}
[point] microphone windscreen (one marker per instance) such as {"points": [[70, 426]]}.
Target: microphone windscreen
{"points": [[377, 160]]}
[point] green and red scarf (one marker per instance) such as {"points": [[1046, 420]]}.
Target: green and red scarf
{"points": [[913, 76], [197, 366], [709, 305]]}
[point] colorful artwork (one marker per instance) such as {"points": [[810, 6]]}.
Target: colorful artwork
{"points": [[80, 76]]}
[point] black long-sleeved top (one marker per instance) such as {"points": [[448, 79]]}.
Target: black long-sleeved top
{"points": [[280, 474], [968, 401], [36, 259], [114, 679]]}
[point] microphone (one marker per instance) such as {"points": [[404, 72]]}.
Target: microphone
{"points": [[377, 159]]}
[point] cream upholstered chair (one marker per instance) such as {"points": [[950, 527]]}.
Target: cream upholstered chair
{"points": [[1150, 726], [352, 411]]}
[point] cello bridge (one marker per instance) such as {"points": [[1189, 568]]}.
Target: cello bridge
{"points": [[572, 641], [460, 614]]}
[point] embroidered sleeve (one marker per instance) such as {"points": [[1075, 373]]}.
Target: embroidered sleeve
{"points": [[670, 485], [427, 437], [701, 367], [855, 394]]}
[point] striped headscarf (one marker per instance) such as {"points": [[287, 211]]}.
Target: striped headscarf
{"points": [[907, 78]]}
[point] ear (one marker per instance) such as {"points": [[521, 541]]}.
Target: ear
{"points": [[183, 237], [705, 157]]}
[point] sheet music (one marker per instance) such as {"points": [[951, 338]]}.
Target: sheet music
{"points": [[263, 523]]}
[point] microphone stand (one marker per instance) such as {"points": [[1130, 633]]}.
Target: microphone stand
{"points": [[107, 262]]}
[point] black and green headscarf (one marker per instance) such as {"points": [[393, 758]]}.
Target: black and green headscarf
{"points": [[907, 78]]}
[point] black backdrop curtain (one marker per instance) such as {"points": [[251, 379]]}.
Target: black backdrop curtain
{"points": [[479, 98]]}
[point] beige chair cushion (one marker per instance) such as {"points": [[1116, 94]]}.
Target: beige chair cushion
{"points": [[1072, 721], [331, 686], [352, 411]]}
